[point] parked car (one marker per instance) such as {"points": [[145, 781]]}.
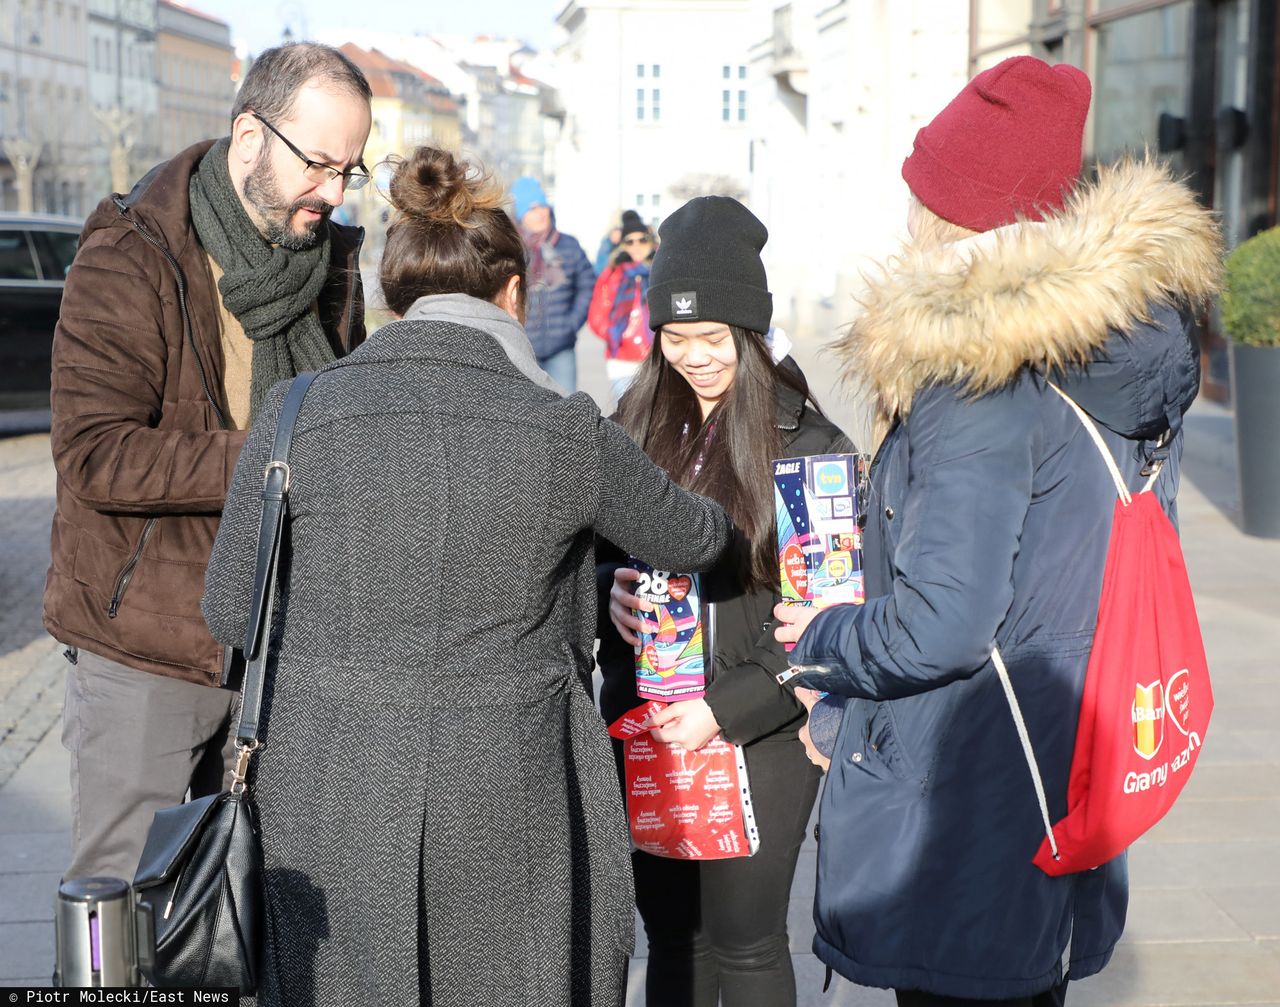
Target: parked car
{"points": [[35, 253]]}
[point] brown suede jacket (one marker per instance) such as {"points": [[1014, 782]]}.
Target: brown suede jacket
{"points": [[140, 441]]}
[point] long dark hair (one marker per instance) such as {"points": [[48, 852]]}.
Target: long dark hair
{"points": [[736, 443]]}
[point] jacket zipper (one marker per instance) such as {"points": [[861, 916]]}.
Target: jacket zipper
{"points": [[126, 574], [188, 329]]}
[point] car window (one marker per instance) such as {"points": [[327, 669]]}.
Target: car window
{"points": [[56, 250], [16, 262]]}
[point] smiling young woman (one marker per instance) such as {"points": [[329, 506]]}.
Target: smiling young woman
{"points": [[713, 407]]}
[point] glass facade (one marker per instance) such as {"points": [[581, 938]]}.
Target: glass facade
{"points": [[1140, 71]]}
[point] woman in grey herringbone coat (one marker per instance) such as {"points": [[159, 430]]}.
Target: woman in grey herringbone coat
{"points": [[441, 821]]}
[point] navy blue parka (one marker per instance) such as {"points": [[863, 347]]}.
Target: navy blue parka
{"points": [[989, 516]]}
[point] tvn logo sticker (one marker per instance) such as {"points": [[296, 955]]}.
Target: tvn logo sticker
{"points": [[685, 305]]}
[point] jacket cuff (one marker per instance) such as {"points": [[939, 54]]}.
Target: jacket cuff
{"points": [[748, 704], [828, 656]]}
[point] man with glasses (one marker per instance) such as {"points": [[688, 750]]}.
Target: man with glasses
{"points": [[219, 275]]}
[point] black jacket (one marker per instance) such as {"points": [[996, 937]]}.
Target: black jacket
{"points": [[746, 700]]}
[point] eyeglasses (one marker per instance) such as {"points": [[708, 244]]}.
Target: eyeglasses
{"points": [[317, 171], [637, 241]]}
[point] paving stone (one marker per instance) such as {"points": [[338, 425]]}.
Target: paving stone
{"points": [[1182, 975], [26, 948], [1239, 746], [1227, 782], [1179, 914], [24, 852], [28, 898], [1252, 818], [1203, 864], [1253, 907]]}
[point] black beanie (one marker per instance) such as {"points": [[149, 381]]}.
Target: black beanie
{"points": [[708, 268], [632, 224]]}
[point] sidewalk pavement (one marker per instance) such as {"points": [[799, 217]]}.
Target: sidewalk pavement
{"points": [[1204, 917]]}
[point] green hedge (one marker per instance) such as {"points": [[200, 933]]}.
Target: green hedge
{"points": [[1251, 298]]}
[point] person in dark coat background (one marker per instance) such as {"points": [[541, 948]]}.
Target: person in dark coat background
{"points": [[440, 817], [989, 524], [714, 404], [561, 281]]}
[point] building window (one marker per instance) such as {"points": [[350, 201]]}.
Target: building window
{"points": [[639, 104], [639, 199], [655, 109], [640, 70], [742, 73], [742, 106], [656, 201], [655, 71], [725, 72], [725, 110]]}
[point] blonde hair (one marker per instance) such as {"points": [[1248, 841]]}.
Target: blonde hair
{"points": [[930, 230]]}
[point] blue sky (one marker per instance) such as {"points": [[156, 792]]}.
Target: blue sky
{"points": [[259, 23]]}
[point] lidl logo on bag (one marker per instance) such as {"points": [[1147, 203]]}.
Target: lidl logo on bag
{"points": [[1148, 719], [685, 305]]}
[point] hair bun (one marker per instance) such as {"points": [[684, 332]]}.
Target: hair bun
{"points": [[432, 185]]}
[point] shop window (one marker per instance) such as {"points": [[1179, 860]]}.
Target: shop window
{"points": [[1140, 72]]}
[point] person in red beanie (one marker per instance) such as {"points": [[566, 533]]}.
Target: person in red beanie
{"points": [[988, 526]]}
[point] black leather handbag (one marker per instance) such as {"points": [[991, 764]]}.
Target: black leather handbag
{"points": [[199, 879]]}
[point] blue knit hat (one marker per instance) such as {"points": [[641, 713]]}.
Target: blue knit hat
{"points": [[527, 193]]}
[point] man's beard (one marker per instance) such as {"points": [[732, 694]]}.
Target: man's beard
{"points": [[263, 194]]}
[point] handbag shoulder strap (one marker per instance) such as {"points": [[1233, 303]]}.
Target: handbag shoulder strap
{"points": [[275, 505]]}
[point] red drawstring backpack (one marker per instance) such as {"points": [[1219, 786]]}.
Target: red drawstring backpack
{"points": [[1147, 697]]}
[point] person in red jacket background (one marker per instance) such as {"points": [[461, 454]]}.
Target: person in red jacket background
{"points": [[619, 314]]}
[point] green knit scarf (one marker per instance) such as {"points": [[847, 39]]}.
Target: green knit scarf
{"points": [[271, 291]]}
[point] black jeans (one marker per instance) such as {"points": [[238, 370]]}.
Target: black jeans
{"points": [[718, 928], [1055, 997]]}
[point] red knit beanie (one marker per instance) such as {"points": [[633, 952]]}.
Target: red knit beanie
{"points": [[1008, 145]]}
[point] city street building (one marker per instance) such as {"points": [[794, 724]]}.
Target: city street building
{"points": [[499, 109], [45, 130], [410, 108], [1196, 80], [123, 92], [657, 108], [840, 90], [194, 59]]}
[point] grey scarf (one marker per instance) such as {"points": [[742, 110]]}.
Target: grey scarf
{"points": [[271, 291], [463, 309]]}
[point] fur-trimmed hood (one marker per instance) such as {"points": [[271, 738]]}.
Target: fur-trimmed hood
{"points": [[1046, 295]]}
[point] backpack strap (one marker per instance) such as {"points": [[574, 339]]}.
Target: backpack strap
{"points": [[1122, 491], [1153, 468], [1028, 752]]}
